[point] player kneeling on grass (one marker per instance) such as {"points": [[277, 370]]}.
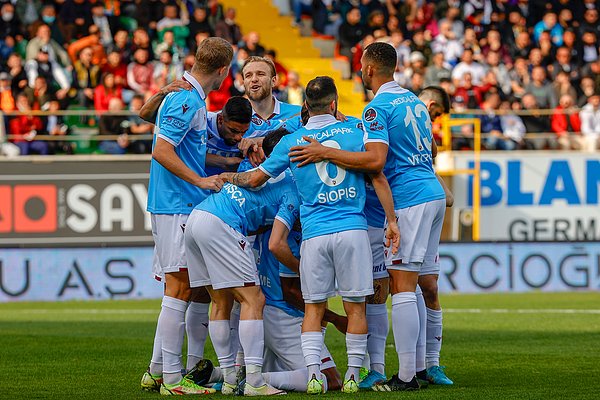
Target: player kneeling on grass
{"points": [[335, 244], [220, 257]]}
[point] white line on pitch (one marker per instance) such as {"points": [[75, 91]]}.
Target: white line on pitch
{"points": [[520, 311]]}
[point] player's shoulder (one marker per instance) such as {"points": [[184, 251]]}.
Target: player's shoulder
{"points": [[352, 122], [184, 102]]}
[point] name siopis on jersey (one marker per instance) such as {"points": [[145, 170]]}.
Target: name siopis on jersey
{"points": [[324, 134], [235, 194], [337, 194], [417, 158]]}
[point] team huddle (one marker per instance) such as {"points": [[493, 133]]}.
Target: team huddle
{"points": [[266, 210]]}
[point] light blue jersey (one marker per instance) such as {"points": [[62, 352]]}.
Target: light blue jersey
{"points": [[246, 210], [373, 209], [270, 271], [216, 145], [399, 119], [333, 198], [181, 121], [281, 112]]}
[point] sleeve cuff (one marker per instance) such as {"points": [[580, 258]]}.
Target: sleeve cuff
{"points": [[168, 139], [278, 218], [265, 171], [377, 141]]}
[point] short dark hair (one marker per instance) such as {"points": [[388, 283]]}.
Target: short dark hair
{"points": [[272, 138], [383, 55], [438, 95], [212, 54], [238, 109], [304, 114], [320, 92]]}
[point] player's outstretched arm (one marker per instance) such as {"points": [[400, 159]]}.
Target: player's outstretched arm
{"points": [[164, 153], [384, 193], [249, 179], [278, 245], [149, 109], [370, 161]]}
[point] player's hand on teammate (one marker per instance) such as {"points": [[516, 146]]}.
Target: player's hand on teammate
{"points": [[252, 148], [176, 86], [392, 236], [214, 183], [313, 152]]}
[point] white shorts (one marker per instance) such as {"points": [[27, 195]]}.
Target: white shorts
{"points": [[420, 229], [283, 342], [376, 238], [218, 255], [169, 247], [344, 257]]}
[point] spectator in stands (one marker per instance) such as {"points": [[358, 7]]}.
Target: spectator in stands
{"points": [[590, 22], [228, 29], [466, 94], [166, 68], [376, 24], [121, 45], [14, 67], [491, 124], [75, 18], [141, 40], [7, 101], [178, 52], [542, 90], [54, 125], [48, 16], [350, 33], [546, 50], [563, 63], [420, 44], [573, 45], [453, 17], [54, 75], [140, 72], [549, 24], [39, 95], [100, 20], [535, 122], [28, 11], [176, 24], [437, 71], [566, 124], [562, 85], [447, 44], [513, 127], [86, 76], [590, 47], [117, 68], [522, 46], [106, 91], [417, 82], [137, 126], [470, 41], [200, 22], [92, 42], [301, 7], [26, 126], [252, 45], [293, 93], [10, 28], [500, 71], [586, 89], [494, 44], [215, 13], [590, 123], [468, 65], [280, 70], [56, 54], [114, 122]]}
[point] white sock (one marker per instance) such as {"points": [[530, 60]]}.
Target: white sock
{"points": [[234, 322], [219, 335], [356, 347], [379, 326], [196, 327], [405, 324], [171, 327], [367, 360], [252, 339], [288, 380], [312, 344], [420, 364], [156, 363], [434, 337]]}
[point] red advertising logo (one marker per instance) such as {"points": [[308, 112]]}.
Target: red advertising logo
{"points": [[28, 208]]}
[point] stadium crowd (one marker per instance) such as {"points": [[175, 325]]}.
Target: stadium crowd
{"points": [[488, 55]]}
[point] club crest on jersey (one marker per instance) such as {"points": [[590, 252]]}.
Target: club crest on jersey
{"points": [[184, 108], [370, 114], [182, 226], [257, 121], [242, 244], [359, 125]]}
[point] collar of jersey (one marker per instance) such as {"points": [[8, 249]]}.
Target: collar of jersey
{"points": [[276, 110], [391, 87], [320, 121], [190, 78]]}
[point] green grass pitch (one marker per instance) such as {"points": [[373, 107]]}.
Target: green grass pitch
{"points": [[495, 347]]}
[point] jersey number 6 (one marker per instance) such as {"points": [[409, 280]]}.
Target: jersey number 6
{"points": [[340, 173]]}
